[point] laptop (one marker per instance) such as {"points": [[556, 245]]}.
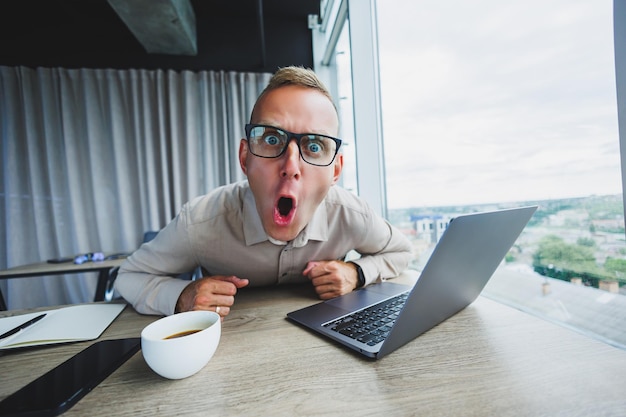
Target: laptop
{"points": [[380, 318]]}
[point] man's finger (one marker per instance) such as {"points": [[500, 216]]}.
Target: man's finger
{"points": [[238, 282], [316, 269], [309, 268]]}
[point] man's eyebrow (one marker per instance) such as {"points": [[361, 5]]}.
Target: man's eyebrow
{"points": [[305, 132]]}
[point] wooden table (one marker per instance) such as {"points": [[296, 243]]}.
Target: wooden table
{"points": [[488, 360], [103, 268]]}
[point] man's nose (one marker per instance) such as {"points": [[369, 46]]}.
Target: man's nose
{"points": [[291, 166]]}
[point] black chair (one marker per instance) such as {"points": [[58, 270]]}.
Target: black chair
{"points": [[149, 235]]}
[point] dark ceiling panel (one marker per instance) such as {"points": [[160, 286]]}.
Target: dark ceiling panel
{"points": [[89, 34]]}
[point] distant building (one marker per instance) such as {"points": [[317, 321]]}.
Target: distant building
{"points": [[565, 217], [430, 227]]}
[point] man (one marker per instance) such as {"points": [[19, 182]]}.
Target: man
{"points": [[287, 223]]}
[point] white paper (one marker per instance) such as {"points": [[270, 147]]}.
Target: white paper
{"points": [[67, 324]]}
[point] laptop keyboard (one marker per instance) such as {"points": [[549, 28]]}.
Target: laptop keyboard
{"points": [[371, 325]]}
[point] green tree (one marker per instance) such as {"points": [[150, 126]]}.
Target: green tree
{"points": [[553, 250], [615, 266], [586, 241]]}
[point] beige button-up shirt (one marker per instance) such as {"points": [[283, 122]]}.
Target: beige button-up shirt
{"points": [[222, 233]]}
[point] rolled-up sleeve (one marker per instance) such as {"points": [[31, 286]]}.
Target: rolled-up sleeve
{"points": [[147, 279], [385, 251]]}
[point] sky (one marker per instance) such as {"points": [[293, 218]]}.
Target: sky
{"points": [[490, 101]]}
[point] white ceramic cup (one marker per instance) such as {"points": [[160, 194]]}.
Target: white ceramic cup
{"points": [[182, 356]]}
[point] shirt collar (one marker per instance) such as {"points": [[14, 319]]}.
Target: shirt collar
{"points": [[252, 227], [317, 229]]}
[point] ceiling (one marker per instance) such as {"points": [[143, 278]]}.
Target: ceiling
{"points": [[90, 34]]}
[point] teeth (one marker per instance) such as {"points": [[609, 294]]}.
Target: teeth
{"points": [[285, 205]]}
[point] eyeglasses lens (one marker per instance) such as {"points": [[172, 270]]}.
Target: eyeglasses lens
{"points": [[266, 142]]}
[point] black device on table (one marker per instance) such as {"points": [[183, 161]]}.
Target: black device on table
{"points": [[60, 388]]}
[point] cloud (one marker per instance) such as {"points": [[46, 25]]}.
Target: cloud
{"points": [[496, 101]]}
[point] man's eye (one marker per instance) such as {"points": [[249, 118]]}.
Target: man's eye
{"points": [[314, 147], [271, 140]]}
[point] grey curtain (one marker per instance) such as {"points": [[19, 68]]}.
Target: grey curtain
{"points": [[93, 158]]}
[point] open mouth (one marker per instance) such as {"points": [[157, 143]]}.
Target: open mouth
{"points": [[284, 206], [284, 211]]}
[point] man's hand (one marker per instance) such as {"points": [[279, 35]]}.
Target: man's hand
{"points": [[332, 278], [216, 293]]}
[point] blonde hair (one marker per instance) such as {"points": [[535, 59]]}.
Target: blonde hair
{"points": [[298, 76]]}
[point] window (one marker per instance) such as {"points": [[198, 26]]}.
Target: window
{"points": [[492, 104], [487, 105]]}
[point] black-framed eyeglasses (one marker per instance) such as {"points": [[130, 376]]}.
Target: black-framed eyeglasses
{"points": [[271, 142]]}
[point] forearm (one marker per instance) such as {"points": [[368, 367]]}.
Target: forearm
{"points": [[388, 262], [147, 279], [377, 268], [149, 294]]}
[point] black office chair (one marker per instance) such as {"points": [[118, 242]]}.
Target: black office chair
{"points": [[149, 235]]}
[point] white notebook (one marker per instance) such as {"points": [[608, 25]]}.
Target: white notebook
{"points": [[63, 325]]}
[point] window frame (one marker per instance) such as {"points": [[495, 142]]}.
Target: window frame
{"points": [[619, 40], [367, 110]]}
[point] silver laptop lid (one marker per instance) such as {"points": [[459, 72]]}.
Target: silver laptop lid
{"points": [[462, 263]]}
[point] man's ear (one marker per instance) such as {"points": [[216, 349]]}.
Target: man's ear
{"points": [[337, 167], [243, 156]]}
